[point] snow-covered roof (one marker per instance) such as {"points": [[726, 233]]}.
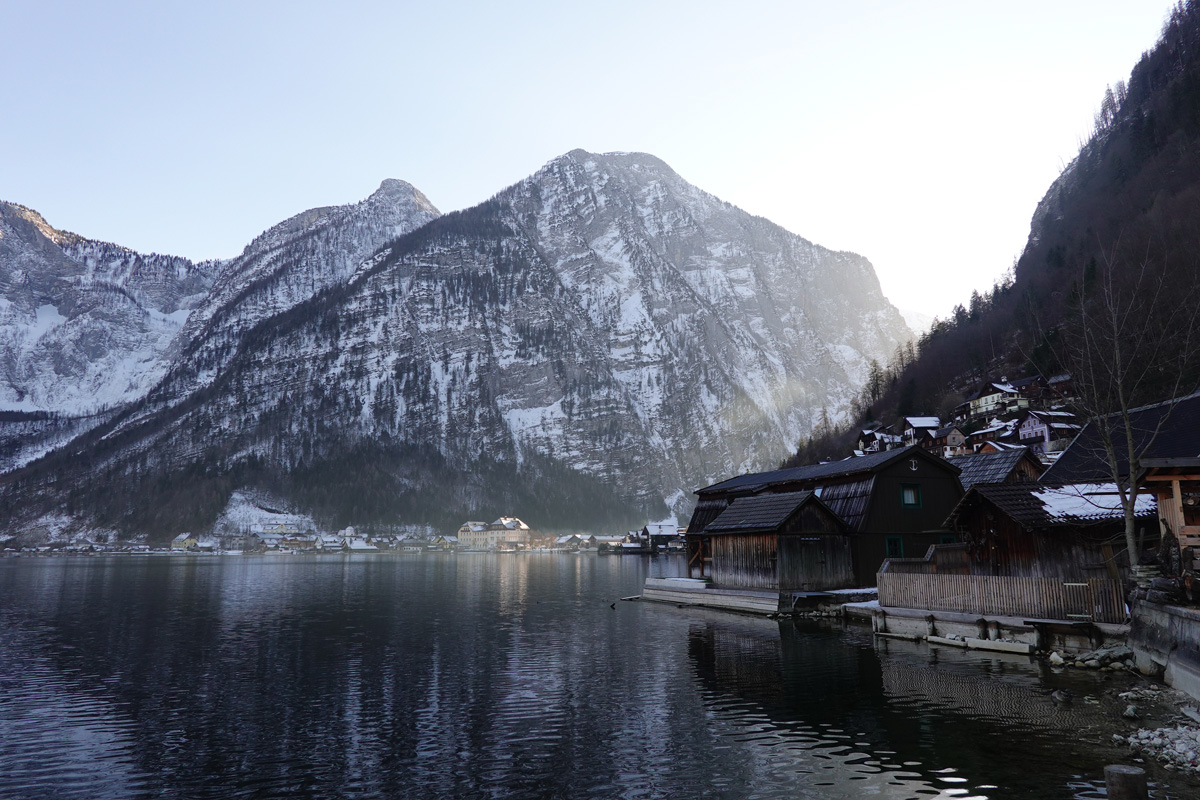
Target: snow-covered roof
{"points": [[923, 422], [1091, 502], [662, 529], [1036, 507]]}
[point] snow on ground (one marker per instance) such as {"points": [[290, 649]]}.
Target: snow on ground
{"points": [[47, 318], [55, 529], [249, 510]]}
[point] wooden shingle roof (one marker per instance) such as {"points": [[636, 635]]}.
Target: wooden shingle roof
{"points": [[868, 464], [989, 467], [761, 513]]}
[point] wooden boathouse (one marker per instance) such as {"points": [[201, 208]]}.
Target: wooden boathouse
{"points": [[790, 542], [893, 504]]}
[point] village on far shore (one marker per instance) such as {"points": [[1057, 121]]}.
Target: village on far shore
{"points": [[253, 525], [504, 535]]}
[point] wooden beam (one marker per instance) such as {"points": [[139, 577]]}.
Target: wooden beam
{"points": [[1166, 476]]}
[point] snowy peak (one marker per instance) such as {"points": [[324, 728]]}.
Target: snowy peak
{"points": [[283, 267], [11, 213], [88, 325], [396, 205], [83, 323], [403, 194], [602, 325]]}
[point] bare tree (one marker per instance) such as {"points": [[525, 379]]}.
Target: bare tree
{"points": [[1135, 340]]}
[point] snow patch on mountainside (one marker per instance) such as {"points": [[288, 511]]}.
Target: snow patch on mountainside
{"points": [[252, 511]]}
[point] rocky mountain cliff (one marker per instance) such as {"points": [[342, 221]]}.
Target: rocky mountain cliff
{"points": [[88, 328], [85, 325], [588, 346]]}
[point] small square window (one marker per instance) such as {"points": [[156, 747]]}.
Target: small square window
{"points": [[895, 546], [948, 538], [910, 495]]}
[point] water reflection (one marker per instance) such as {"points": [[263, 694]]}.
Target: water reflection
{"points": [[896, 719], [484, 676]]}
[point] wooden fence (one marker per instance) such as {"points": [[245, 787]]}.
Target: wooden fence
{"points": [[1097, 600]]}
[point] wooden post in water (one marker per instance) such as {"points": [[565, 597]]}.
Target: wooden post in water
{"points": [[1125, 783]]}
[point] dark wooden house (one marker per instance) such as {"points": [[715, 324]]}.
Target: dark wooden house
{"points": [[1071, 533], [788, 541], [893, 504]]}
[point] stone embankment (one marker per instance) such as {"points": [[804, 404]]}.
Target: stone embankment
{"points": [[1111, 657]]}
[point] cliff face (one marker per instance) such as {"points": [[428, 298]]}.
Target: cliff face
{"points": [[594, 342], [88, 328], [85, 325]]}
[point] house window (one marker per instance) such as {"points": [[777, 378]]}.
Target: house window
{"points": [[948, 538], [910, 495], [895, 546]]}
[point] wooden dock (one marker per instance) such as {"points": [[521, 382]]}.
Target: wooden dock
{"points": [[692, 592]]}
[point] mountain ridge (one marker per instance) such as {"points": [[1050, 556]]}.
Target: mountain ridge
{"points": [[602, 327]]}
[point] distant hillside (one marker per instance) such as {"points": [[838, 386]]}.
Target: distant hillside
{"points": [[1131, 198]]}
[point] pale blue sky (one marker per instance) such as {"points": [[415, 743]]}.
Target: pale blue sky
{"points": [[920, 135]]}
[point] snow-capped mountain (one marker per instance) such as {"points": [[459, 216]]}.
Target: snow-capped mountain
{"points": [[85, 325], [597, 340], [289, 264]]}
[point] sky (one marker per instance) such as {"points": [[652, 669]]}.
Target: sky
{"points": [[920, 135]]}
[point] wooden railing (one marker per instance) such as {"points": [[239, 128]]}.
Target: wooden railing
{"points": [[940, 559], [1096, 599]]}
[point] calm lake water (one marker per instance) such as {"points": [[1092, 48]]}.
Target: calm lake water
{"points": [[494, 676]]}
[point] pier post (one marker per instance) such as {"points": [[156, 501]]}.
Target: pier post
{"points": [[1125, 783]]}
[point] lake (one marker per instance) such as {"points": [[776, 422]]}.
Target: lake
{"points": [[496, 676]]}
